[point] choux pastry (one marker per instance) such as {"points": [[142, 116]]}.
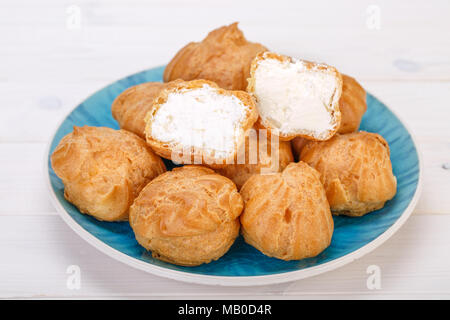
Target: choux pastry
{"points": [[296, 98], [223, 57], [268, 157], [352, 105], [131, 106], [187, 216], [286, 214], [196, 122], [355, 170], [103, 170]]}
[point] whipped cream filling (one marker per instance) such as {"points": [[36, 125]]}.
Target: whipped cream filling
{"points": [[201, 118], [293, 98]]}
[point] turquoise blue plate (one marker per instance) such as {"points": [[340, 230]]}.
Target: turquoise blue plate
{"points": [[244, 265]]}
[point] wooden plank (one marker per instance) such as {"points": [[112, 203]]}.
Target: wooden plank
{"points": [[22, 185], [118, 38], [37, 113], [422, 105], [37, 250]]}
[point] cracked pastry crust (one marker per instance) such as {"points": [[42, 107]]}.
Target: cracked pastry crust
{"points": [[224, 57], [352, 104], [187, 216], [131, 106], [356, 171], [103, 170], [287, 215], [266, 160], [189, 154]]}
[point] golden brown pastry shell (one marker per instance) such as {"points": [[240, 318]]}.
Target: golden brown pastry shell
{"points": [[103, 170], [224, 57], [187, 216], [352, 105], [266, 159], [356, 171], [286, 214], [131, 106]]}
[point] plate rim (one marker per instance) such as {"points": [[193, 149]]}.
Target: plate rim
{"points": [[236, 281]]}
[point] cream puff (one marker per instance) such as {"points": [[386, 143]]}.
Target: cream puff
{"points": [[356, 171], [103, 170], [296, 98], [196, 122], [187, 216], [223, 57], [255, 157], [352, 105], [286, 214]]}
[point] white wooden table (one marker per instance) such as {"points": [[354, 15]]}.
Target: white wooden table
{"points": [[51, 58]]}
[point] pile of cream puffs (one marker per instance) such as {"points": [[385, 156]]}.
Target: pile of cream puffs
{"points": [[235, 115]]}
